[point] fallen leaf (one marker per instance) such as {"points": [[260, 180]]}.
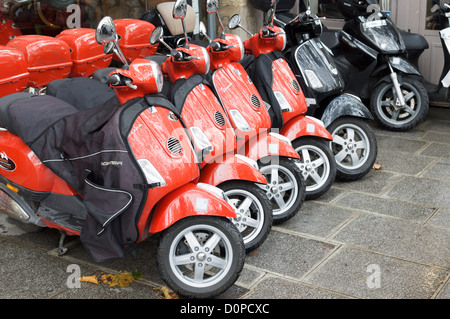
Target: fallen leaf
{"points": [[122, 279], [168, 294], [92, 279], [377, 166]]}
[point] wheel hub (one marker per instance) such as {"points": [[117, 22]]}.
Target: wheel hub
{"points": [[201, 256]]}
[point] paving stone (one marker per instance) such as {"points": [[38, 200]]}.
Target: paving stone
{"points": [[317, 219], [385, 206], [404, 163], [288, 255], [369, 275], [437, 137], [375, 182], [439, 170], [441, 219], [400, 144], [423, 191], [396, 237], [437, 150], [279, 288]]}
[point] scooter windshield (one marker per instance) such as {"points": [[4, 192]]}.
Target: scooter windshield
{"points": [[382, 35], [317, 67]]}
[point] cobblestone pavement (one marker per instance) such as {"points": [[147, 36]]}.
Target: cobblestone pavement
{"points": [[385, 236]]}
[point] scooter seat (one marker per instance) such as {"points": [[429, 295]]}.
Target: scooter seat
{"points": [[83, 93], [5, 102], [414, 41]]}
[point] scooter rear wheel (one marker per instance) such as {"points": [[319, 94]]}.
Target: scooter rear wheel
{"points": [[354, 147], [253, 212], [200, 256], [285, 187], [389, 116]]}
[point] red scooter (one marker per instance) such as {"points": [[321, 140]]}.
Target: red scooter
{"points": [[277, 160], [115, 175], [237, 175], [286, 103]]}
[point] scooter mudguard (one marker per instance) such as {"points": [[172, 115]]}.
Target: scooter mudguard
{"points": [[345, 105], [230, 168], [403, 66], [188, 200], [267, 144], [305, 126]]}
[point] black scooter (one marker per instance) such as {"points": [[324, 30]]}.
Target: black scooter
{"points": [[369, 54], [354, 144]]}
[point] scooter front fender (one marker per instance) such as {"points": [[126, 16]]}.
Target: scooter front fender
{"points": [[231, 168], [188, 200], [345, 105], [403, 66], [267, 144], [305, 126]]}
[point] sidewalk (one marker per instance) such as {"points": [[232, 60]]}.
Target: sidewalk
{"points": [[386, 236]]}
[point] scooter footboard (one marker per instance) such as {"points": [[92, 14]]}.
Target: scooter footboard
{"points": [[189, 200], [305, 126]]}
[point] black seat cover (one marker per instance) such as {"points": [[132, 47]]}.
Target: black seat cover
{"points": [[5, 102], [83, 93], [414, 41]]}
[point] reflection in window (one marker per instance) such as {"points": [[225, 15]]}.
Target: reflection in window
{"points": [[329, 8], [436, 19]]}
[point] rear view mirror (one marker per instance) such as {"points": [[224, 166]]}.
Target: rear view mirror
{"points": [[179, 9], [235, 21], [106, 31], [212, 6], [156, 36]]}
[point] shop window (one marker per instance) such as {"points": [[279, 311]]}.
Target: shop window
{"points": [[330, 10]]}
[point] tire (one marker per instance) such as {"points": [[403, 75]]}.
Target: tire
{"points": [[318, 165], [254, 221], [283, 172], [183, 252], [354, 147], [402, 120]]}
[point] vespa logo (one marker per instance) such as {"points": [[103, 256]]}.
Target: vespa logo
{"points": [[6, 163]]}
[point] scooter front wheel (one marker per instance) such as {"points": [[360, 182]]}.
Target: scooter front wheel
{"points": [[317, 164], [390, 115], [253, 212], [285, 186], [354, 147], [200, 256]]}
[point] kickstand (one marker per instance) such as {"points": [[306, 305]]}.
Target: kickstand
{"points": [[61, 249]]}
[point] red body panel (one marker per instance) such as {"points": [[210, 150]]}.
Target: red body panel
{"points": [[14, 75], [222, 58], [201, 109], [236, 92], [134, 38], [188, 200], [184, 69], [258, 44], [8, 31], [87, 54], [304, 126], [232, 168], [21, 166], [145, 76], [148, 140], [47, 58], [284, 81]]}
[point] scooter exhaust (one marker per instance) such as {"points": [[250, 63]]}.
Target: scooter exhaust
{"points": [[16, 208]]}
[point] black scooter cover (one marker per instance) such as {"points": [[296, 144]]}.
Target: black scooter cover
{"points": [[89, 150]]}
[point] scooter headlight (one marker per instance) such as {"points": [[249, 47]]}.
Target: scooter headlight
{"points": [[201, 140], [152, 175], [207, 59], [213, 190], [248, 161], [313, 80], [157, 73], [239, 120]]}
